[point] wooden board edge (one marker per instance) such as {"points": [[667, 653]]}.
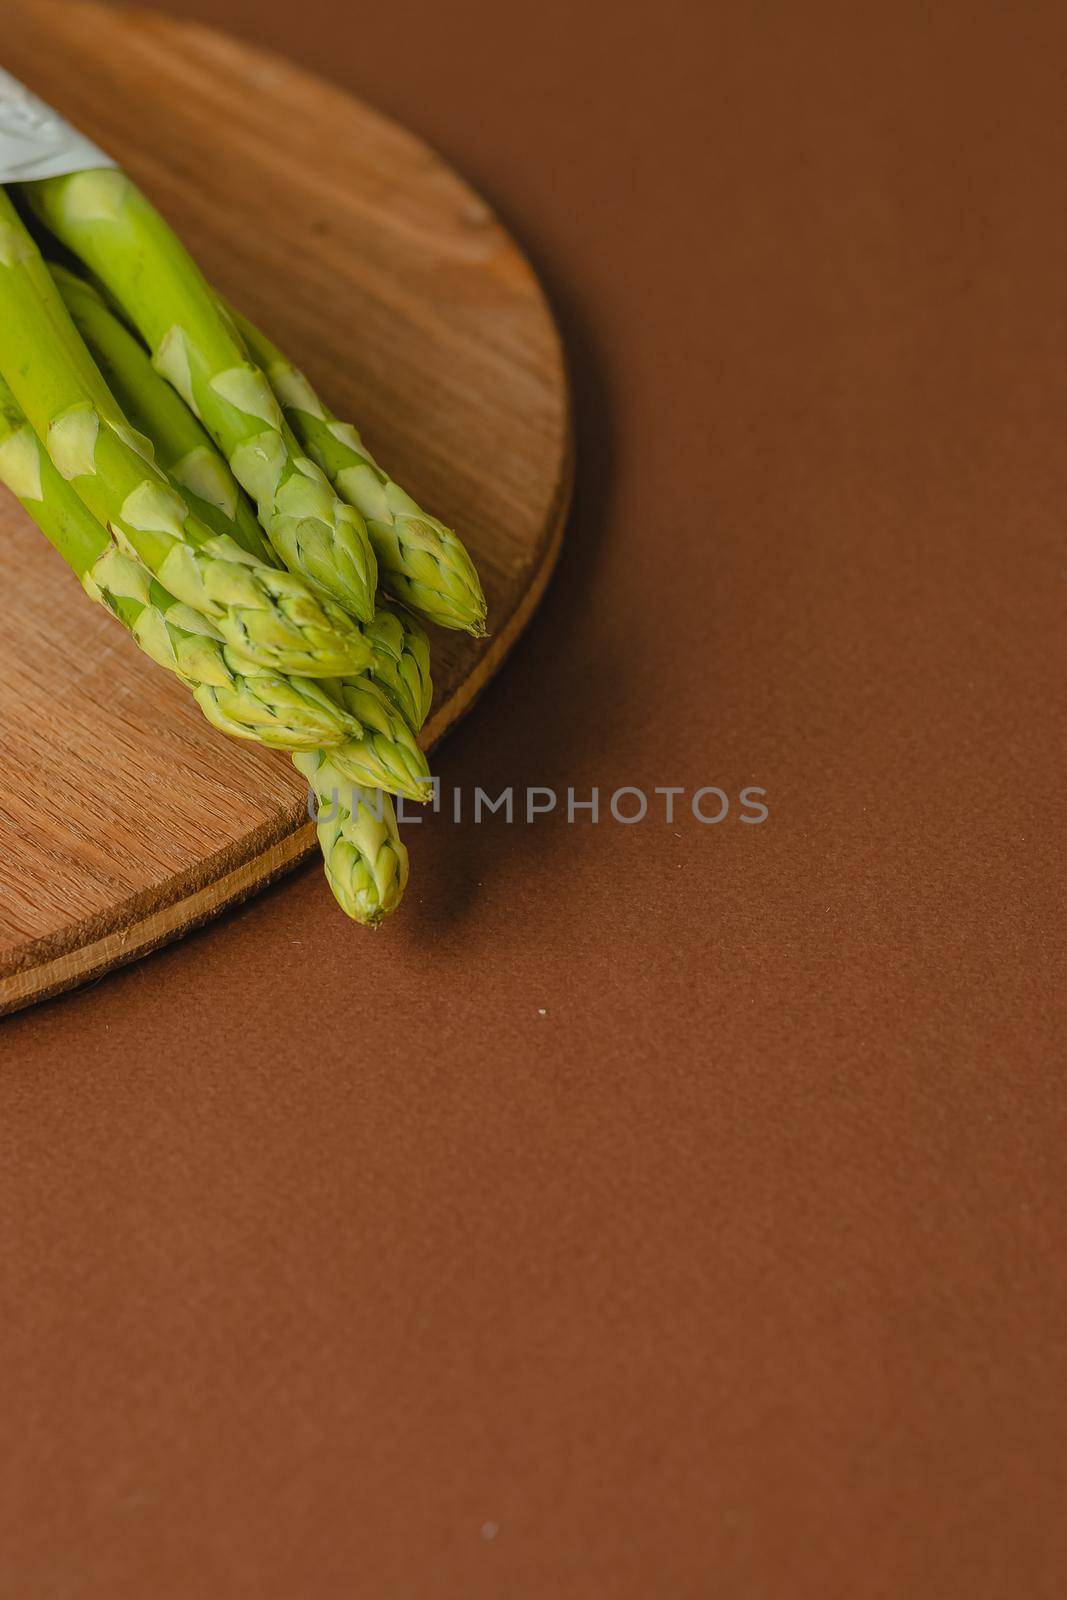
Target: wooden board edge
{"points": [[138, 936]]}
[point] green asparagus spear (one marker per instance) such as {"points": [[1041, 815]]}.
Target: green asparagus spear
{"points": [[182, 447], [286, 713], [274, 618], [365, 860], [387, 756], [102, 217], [422, 562], [283, 713], [401, 662]]}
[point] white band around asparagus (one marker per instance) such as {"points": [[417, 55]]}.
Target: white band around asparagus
{"points": [[35, 141]]}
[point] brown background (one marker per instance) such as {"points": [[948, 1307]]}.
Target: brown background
{"points": [[332, 1267]]}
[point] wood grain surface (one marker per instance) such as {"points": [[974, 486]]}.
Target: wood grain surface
{"points": [[124, 818]]}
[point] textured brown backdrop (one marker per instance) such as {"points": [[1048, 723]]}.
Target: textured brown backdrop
{"points": [[652, 1211]]}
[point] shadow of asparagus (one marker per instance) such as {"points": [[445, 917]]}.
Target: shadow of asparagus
{"points": [[558, 700]]}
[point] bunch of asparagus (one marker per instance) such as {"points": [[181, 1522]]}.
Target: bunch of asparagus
{"points": [[203, 493]]}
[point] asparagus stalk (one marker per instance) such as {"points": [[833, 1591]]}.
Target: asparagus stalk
{"points": [[422, 562], [401, 664], [182, 447], [365, 860], [286, 713], [103, 218], [387, 756], [273, 618]]}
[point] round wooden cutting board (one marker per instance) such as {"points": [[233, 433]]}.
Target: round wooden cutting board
{"points": [[125, 819]]}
